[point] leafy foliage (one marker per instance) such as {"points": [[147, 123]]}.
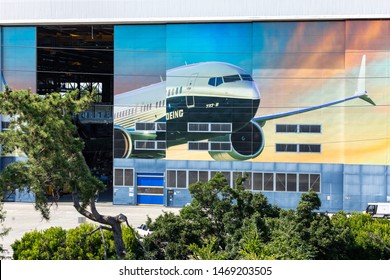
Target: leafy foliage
{"points": [[37, 245], [42, 127], [362, 237], [81, 243], [3, 231]]}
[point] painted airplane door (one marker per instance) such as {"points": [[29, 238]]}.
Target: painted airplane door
{"points": [[190, 98]]}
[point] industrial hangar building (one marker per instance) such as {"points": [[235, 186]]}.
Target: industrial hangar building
{"points": [[296, 96]]}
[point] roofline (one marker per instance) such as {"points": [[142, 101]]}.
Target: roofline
{"points": [[96, 21], [67, 12]]}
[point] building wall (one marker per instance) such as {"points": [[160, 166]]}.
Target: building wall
{"points": [[319, 60], [295, 64], [343, 187], [19, 57]]}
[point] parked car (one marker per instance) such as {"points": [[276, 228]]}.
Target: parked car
{"points": [[143, 230], [379, 210]]}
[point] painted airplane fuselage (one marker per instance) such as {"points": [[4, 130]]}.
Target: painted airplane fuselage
{"points": [[210, 92]]}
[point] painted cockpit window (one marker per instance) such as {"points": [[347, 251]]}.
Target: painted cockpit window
{"points": [[216, 81]]}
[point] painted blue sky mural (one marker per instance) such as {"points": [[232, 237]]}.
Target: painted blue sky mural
{"points": [[19, 57]]}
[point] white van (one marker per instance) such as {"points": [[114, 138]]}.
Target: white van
{"points": [[379, 210]]}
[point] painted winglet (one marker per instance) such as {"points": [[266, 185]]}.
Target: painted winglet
{"points": [[2, 80], [359, 93], [361, 83]]}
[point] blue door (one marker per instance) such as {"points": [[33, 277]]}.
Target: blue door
{"points": [[150, 188]]}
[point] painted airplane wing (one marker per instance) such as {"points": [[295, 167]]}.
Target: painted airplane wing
{"points": [[359, 93]]}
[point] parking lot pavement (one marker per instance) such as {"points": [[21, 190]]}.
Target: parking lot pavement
{"points": [[22, 217]]}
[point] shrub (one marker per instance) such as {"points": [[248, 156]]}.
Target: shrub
{"points": [[84, 242]]}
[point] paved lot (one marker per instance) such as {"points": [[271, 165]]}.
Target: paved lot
{"points": [[22, 217]]}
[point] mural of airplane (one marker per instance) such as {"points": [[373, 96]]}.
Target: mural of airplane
{"points": [[211, 106]]}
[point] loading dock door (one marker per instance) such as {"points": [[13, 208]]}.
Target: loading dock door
{"points": [[150, 188]]}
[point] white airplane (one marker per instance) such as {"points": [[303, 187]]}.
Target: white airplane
{"points": [[212, 101]]}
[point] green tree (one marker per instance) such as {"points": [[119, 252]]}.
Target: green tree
{"points": [[302, 233], [40, 245], [3, 231], [43, 128], [208, 251], [362, 237], [287, 241], [212, 226], [85, 242]]}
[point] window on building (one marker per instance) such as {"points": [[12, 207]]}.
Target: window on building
{"points": [[315, 182], [177, 179], [150, 145], [220, 127], [123, 177], [298, 128], [312, 128], [298, 148], [291, 182], [220, 146], [209, 146], [118, 177], [287, 148], [5, 125], [161, 145], [171, 178], [280, 182], [197, 176], [145, 126], [150, 126], [198, 146], [257, 181], [192, 177], [309, 148], [209, 127], [144, 145], [161, 126], [268, 181], [198, 127], [181, 179], [303, 182], [203, 176], [129, 177], [286, 128]]}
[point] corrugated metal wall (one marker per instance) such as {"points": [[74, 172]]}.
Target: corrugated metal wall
{"points": [[125, 11]]}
